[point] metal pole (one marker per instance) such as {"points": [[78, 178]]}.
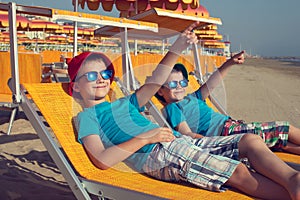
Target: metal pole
{"points": [[125, 67], [130, 68], [197, 67], [75, 30], [14, 52], [163, 47], [135, 41]]}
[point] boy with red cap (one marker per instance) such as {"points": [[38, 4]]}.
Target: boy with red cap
{"points": [[115, 132]]}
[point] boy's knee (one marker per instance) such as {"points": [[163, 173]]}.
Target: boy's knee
{"points": [[249, 138], [239, 177], [249, 142]]}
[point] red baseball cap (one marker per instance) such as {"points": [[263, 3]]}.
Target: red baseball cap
{"points": [[75, 64]]}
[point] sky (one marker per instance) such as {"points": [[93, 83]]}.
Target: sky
{"points": [[262, 27], [266, 28]]}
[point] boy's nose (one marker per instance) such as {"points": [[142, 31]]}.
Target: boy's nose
{"points": [[99, 77], [178, 86]]}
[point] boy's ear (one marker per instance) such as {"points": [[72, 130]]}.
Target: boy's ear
{"points": [[76, 87], [160, 92]]}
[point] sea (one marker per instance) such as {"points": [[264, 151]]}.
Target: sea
{"points": [[297, 60], [289, 59], [294, 60]]}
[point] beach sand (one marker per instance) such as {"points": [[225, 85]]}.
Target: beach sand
{"points": [[259, 90]]}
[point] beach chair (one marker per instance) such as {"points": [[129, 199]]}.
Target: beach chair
{"points": [[30, 72], [6, 104], [120, 182], [58, 110], [85, 180], [194, 82]]}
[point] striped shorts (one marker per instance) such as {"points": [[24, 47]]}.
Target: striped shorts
{"points": [[274, 134], [206, 162]]}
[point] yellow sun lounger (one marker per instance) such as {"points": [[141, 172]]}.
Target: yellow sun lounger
{"points": [[120, 182], [291, 159]]}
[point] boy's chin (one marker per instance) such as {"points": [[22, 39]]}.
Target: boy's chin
{"points": [[98, 97], [177, 99]]}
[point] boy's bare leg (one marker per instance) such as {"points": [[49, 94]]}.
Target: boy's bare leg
{"points": [[268, 164], [256, 185], [293, 145], [292, 148]]}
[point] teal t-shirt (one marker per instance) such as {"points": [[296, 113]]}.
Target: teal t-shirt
{"points": [[116, 123], [199, 116]]}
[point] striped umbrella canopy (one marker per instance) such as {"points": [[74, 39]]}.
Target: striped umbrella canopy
{"points": [[56, 38], [137, 5], [5, 37], [212, 44], [43, 25], [208, 33], [22, 22], [69, 30]]}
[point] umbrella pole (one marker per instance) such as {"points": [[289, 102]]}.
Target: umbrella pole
{"points": [[135, 41], [197, 63], [75, 31], [14, 52]]}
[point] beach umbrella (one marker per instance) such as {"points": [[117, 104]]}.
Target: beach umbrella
{"points": [[20, 34], [212, 44], [209, 37], [69, 30], [22, 22], [137, 5], [208, 33], [43, 25], [5, 39], [56, 38]]}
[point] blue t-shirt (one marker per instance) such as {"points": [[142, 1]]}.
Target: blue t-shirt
{"points": [[199, 116], [116, 123]]}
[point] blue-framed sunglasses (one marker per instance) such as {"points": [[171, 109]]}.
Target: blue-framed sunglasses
{"points": [[93, 75], [174, 84]]}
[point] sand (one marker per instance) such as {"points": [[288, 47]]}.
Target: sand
{"points": [[264, 90], [259, 90]]}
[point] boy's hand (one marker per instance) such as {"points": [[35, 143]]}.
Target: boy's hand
{"points": [[158, 135], [189, 34], [186, 38], [238, 58]]}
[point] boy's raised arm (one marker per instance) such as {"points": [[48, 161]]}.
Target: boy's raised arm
{"points": [[164, 68], [219, 74]]}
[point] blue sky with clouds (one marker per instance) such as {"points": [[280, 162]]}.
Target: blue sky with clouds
{"points": [[262, 27]]}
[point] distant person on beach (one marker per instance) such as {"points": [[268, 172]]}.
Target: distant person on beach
{"points": [[190, 115], [115, 132]]}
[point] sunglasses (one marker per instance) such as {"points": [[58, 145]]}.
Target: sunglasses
{"points": [[93, 75], [174, 84]]}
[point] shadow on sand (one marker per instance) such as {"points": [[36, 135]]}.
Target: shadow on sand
{"points": [[22, 181]]}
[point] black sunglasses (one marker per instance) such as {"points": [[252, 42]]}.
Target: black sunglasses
{"points": [[174, 84], [93, 75]]}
